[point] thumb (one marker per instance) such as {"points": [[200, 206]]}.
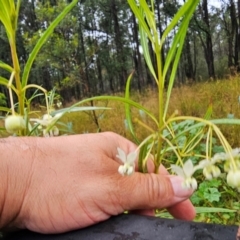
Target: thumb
{"points": [[150, 191]]}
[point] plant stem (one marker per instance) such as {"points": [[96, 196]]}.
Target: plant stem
{"points": [[17, 74], [10, 92], [160, 99]]}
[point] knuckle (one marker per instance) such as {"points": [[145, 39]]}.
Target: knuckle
{"points": [[158, 190]]}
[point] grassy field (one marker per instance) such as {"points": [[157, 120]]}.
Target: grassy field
{"points": [[188, 100], [216, 202], [192, 100]]}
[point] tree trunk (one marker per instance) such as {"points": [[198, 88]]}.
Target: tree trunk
{"points": [[207, 39], [233, 43], [119, 46], [83, 71], [189, 71], [100, 78]]}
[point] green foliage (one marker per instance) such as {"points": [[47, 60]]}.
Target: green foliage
{"points": [[20, 123], [3, 99], [207, 191]]}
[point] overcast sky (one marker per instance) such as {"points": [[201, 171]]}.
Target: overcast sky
{"points": [[214, 2]]}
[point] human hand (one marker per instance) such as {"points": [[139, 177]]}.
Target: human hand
{"points": [[70, 182]]}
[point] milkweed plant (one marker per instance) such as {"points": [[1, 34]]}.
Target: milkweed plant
{"points": [[173, 135], [166, 139]]}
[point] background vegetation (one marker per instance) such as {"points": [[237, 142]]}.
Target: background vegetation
{"points": [[96, 46]]}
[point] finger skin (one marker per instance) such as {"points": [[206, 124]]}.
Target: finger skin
{"points": [[183, 210], [73, 182]]}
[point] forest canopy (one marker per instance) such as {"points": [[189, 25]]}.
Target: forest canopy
{"points": [[97, 46]]}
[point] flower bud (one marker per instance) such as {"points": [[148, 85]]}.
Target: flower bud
{"points": [[233, 178], [14, 123]]}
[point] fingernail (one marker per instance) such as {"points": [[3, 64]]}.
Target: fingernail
{"points": [[178, 189]]}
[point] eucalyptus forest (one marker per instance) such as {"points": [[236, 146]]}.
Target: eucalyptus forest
{"points": [[96, 46]]}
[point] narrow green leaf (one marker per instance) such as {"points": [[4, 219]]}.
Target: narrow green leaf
{"points": [[78, 109], [149, 14], [181, 12], [4, 81], [4, 18], [146, 54], [199, 210], [173, 72], [208, 114], [119, 99], [17, 11], [178, 36], [128, 109], [140, 17], [5, 109], [6, 67], [212, 210], [177, 47]]}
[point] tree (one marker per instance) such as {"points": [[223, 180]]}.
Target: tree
{"points": [[205, 36]]}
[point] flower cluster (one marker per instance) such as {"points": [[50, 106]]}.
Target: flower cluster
{"points": [[47, 123], [210, 170], [208, 166]]}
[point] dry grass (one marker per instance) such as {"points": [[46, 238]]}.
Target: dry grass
{"points": [[188, 100]]}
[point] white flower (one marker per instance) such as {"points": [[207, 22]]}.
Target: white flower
{"points": [[54, 131], [235, 153], [190, 183], [128, 166], [59, 104], [209, 169], [14, 123], [47, 121], [233, 178], [218, 157], [186, 172]]}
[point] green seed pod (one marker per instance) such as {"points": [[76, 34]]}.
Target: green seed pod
{"points": [[233, 178], [14, 123]]}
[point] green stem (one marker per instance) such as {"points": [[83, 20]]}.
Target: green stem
{"points": [[10, 92], [16, 67], [222, 139], [136, 120], [34, 86], [160, 100]]}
